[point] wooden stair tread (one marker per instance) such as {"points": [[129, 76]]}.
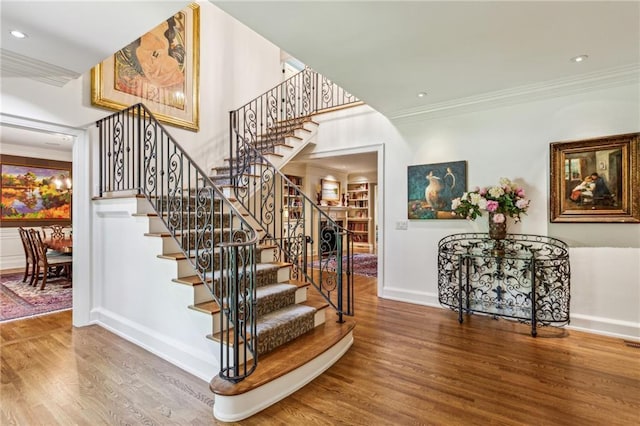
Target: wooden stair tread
{"points": [[211, 307], [174, 256], [116, 196], [190, 280], [286, 358], [216, 337], [318, 305], [299, 284]]}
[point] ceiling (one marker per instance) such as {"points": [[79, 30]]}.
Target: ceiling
{"points": [[36, 139], [384, 52], [67, 38]]}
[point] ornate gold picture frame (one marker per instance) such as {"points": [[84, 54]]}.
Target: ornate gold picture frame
{"points": [[596, 180], [159, 69]]}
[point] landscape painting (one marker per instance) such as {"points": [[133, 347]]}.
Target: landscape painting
{"points": [[432, 187], [35, 193]]}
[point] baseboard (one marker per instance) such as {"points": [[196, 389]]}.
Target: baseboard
{"points": [[190, 359], [237, 407], [605, 326], [590, 324], [12, 262], [408, 296]]}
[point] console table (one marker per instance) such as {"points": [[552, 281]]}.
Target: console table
{"points": [[523, 277]]}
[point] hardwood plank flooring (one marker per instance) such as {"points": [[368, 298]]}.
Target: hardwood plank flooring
{"points": [[409, 365]]}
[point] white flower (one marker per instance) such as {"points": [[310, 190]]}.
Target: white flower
{"points": [[522, 203], [475, 198], [482, 204], [505, 181], [465, 196], [496, 191], [455, 203]]}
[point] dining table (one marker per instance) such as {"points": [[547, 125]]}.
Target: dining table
{"points": [[63, 245]]}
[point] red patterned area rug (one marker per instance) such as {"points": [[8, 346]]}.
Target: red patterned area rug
{"points": [[20, 300], [363, 264]]}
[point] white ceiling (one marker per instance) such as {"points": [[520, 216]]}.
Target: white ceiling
{"points": [[36, 139], [67, 38], [384, 52]]}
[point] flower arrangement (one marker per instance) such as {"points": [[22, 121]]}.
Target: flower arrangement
{"points": [[505, 199]]}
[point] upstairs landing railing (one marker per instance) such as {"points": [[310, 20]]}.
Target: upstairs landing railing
{"points": [[319, 247], [138, 155]]}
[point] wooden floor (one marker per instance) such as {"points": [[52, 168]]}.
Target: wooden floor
{"points": [[408, 365]]}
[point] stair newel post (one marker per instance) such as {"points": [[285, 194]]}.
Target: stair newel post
{"points": [[139, 146], [232, 124], [101, 159], [339, 236], [235, 284], [315, 91]]}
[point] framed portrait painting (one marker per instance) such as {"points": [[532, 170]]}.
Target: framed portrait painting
{"points": [[160, 69], [34, 192], [596, 180], [432, 188]]}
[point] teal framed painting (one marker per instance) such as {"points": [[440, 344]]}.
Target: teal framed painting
{"points": [[432, 187]]}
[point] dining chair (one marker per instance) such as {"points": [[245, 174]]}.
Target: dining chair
{"points": [[57, 232], [45, 263], [29, 256]]}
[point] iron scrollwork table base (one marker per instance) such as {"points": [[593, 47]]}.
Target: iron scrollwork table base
{"points": [[527, 280]]}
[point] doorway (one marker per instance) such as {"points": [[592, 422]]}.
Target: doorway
{"points": [[81, 208]]}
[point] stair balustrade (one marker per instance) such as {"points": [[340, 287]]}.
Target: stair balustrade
{"points": [[137, 155], [320, 249]]}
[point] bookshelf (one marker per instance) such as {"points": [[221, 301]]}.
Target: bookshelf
{"points": [[292, 201], [359, 213]]}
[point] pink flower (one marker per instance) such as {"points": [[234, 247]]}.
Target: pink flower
{"points": [[476, 189], [492, 206], [520, 192], [498, 218], [482, 191], [522, 204]]}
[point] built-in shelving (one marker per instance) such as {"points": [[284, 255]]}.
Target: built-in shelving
{"points": [[292, 201], [359, 213]]}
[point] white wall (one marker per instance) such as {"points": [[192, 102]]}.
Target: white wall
{"points": [[236, 65], [508, 142]]}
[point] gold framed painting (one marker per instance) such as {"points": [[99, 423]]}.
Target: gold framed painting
{"points": [[160, 69], [34, 191], [330, 191], [596, 180]]}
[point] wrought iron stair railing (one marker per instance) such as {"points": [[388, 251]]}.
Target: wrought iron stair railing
{"points": [[138, 155], [319, 247]]}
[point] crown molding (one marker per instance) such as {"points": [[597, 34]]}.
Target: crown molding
{"points": [[619, 76], [15, 65]]}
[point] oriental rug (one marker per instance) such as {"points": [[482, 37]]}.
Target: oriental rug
{"points": [[363, 264], [20, 300]]}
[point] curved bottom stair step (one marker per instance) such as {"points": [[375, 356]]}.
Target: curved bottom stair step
{"points": [[282, 371]]}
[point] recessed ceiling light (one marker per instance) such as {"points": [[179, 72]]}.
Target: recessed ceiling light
{"points": [[18, 34], [580, 58], [422, 94]]}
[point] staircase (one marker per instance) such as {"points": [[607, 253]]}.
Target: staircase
{"points": [[246, 263]]}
